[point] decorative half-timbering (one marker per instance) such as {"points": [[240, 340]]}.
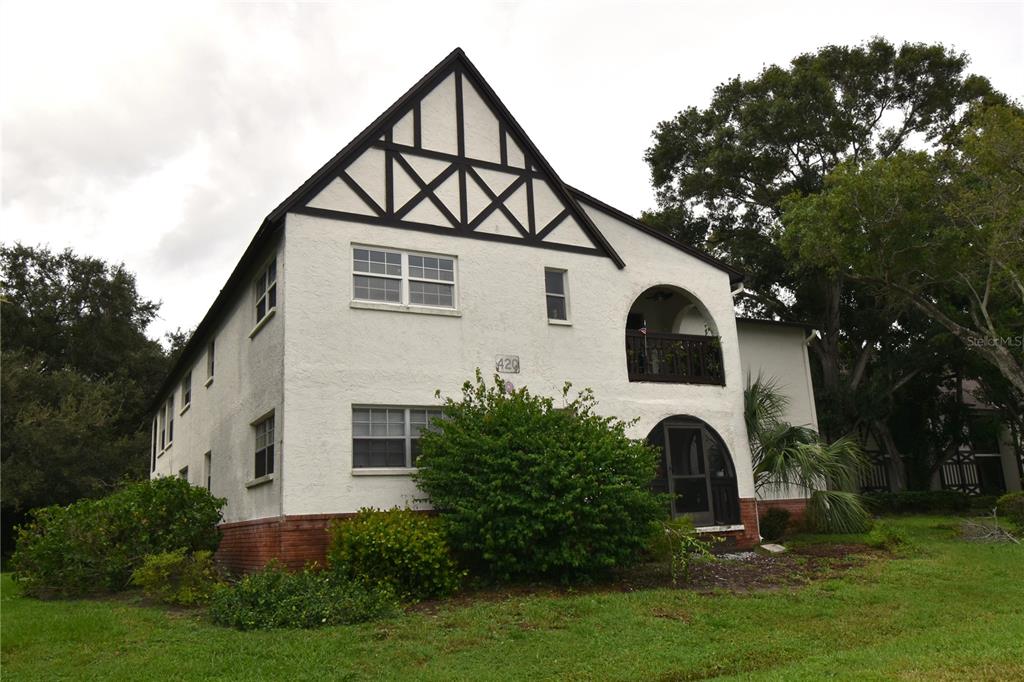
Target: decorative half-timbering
{"points": [[449, 157]]}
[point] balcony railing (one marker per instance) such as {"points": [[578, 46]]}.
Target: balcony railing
{"points": [[674, 358]]}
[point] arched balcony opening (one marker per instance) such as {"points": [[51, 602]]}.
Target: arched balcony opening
{"points": [[696, 470], [670, 337]]}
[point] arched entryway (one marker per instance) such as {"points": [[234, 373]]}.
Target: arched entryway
{"points": [[696, 470]]}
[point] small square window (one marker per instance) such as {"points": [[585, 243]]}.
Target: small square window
{"points": [[186, 390], [266, 291], [264, 456], [557, 293], [211, 355]]}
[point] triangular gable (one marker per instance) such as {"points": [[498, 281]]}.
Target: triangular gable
{"points": [[448, 157]]}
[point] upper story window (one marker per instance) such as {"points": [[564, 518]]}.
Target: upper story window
{"points": [[186, 390], [163, 427], [152, 461], [387, 276], [264, 457], [170, 420], [210, 359], [389, 436], [556, 290], [266, 291]]}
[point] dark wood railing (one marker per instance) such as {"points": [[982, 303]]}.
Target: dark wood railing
{"points": [[674, 358]]}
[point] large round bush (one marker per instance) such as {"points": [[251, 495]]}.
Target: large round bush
{"points": [[95, 545], [527, 489]]}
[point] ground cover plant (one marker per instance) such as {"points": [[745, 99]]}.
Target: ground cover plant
{"points": [[939, 608]]}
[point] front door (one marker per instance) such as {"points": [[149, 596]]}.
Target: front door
{"points": [[687, 474]]}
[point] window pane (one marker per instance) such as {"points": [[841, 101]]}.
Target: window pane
{"points": [[272, 272], [261, 309], [377, 289], [272, 296], [377, 262], [429, 293], [554, 281], [431, 267], [270, 458], [378, 452], [556, 307]]}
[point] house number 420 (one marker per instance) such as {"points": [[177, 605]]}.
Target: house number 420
{"points": [[506, 364]]}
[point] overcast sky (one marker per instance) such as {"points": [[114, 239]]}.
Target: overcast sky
{"points": [[160, 135]]}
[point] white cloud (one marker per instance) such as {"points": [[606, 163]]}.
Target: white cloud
{"points": [[161, 134]]}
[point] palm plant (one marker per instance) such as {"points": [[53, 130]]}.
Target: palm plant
{"points": [[787, 456]]}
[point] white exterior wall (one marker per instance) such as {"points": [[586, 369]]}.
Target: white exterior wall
{"points": [[247, 384], [338, 356], [779, 352]]}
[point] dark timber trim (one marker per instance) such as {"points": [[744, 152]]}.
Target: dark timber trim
{"points": [[532, 241], [268, 234]]}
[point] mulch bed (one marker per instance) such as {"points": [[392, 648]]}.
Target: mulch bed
{"points": [[743, 572]]}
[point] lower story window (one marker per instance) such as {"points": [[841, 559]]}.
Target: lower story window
{"points": [[388, 436], [264, 446]]}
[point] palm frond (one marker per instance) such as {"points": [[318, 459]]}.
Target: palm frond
{"points": [[837, 511]]}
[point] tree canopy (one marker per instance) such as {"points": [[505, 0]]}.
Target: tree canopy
{"points": [[78, 372], [724, 175], [942, 233]]}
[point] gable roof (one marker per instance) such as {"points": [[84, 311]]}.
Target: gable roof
{"points": [[533, 168], [379, 131]]}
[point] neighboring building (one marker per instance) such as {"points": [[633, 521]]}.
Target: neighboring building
{"points": [[437, 242], [989, 461]]}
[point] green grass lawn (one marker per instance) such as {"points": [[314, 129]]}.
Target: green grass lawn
{"points": [[945, 609]]}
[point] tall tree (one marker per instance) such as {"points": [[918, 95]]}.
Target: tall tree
{"points": [[78, 372], [722, 173], [942, 234]]}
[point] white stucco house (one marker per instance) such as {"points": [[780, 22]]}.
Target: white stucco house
{"points": [[437, 242]]}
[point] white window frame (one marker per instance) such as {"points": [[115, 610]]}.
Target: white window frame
{"points": [[404, 279], [162, 416], [564, 296], [268, 474], [170, 421], [153, 444], [266, 292], [211, 360], [407, 436], [186, 391]]}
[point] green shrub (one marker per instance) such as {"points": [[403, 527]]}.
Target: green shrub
{"points": [[660, 545], [886, 536], [527, 490], [919, 502], [685, 546], [178, 577], [983, 504], [1011, 508], [774, 524], [275, 598], [400, 548], [94, 546]]}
